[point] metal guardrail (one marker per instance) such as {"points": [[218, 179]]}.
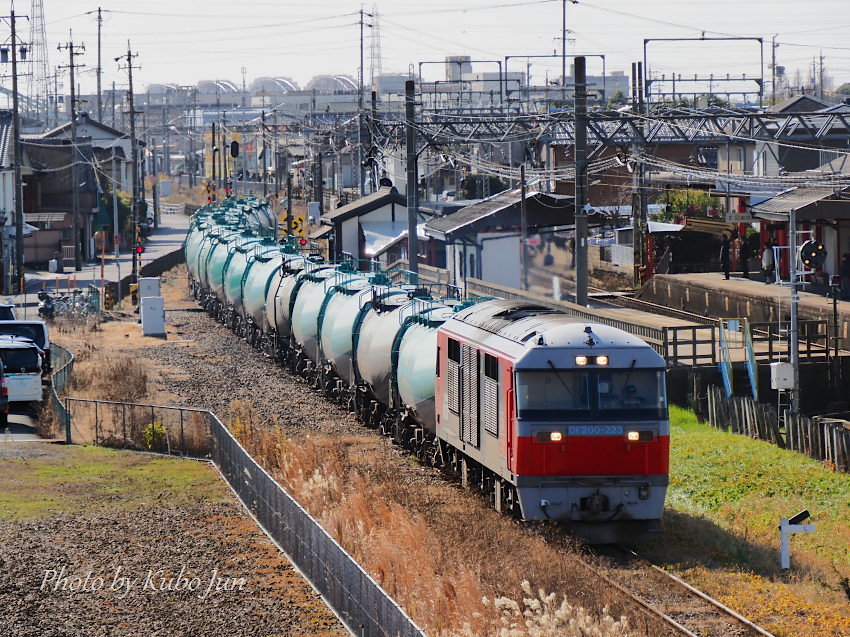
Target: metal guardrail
{"points": [[813, 339], [63, 363], [357, 599]]}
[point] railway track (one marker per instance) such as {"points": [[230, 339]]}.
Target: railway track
{"points": [[683, 609]]}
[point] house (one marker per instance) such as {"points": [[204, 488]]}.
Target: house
{"points": [[357, 230], [50, 206], [100, 137], [483, 240]]}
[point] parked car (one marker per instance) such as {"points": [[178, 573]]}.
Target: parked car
{"points": [[7, 311], [23, 367], [34, 330]]}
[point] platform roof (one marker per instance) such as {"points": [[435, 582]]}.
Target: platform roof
{"points": [[810, 203]]}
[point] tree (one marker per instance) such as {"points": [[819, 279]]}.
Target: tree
{"points": [[844, 89], [686, 203], [617, 99]]}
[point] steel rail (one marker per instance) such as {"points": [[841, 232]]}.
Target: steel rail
{"points": [[758, 629], [699, 594]]}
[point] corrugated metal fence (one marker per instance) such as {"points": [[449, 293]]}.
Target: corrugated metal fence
{"points": [[357, 599], [819, 437]]}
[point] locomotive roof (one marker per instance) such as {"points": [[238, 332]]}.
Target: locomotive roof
{"points": [[528, 323]]}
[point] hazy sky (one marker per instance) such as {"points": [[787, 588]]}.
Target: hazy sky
{"points": [[184, 41]]}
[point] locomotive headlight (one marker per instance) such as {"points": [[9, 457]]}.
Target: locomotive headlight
{"points": [[634, 436], [549, 436], [639, 436], [601, 360], [581, 360]]}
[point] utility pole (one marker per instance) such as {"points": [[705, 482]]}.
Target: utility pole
{"points": [[581, 207], [289, 203], [564, 47], [265, 155], [275, 166], [523, 233], [795, 301], [215, 149], [361, 185], [410, 143], [99, 67], [134, 153], [16, 150], [773, 47], [74, 50]]}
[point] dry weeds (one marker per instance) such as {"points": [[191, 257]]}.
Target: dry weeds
{"points": [[414, 540]]}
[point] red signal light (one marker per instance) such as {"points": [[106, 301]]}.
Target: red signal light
{"points": [[303, 241], [139, 248]]}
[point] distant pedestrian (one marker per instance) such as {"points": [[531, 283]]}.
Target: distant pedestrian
{"points": [[767, 263], [744, 255], [725, 257], [845, 276]]}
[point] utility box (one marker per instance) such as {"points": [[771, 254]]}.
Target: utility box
{"points": [[153, 316], [781, 376], [148, 286]]}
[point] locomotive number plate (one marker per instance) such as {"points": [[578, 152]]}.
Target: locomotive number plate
{"points": [[595, 430]]}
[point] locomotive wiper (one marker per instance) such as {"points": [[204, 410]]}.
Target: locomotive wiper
{"points": [[558, 374]]}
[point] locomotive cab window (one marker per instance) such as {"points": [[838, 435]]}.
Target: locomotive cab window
{"points": [[453, 351], [603, 395], [552, 394], [626, 391]]}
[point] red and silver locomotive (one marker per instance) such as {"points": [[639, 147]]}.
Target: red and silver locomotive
{"points": [[556, 418]]}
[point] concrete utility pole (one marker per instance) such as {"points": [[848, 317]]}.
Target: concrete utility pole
{"points": [[16, 151], [74, 50], [288, 204], [215, 149], [265, 155], [134, 154], [410, 143], [581, 180], [99, 67]]}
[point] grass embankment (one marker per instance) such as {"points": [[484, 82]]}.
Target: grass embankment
{"points": [[76, 479], [726, 496]]}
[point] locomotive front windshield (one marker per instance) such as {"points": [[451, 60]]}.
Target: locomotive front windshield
{"points": [[612, 394]]}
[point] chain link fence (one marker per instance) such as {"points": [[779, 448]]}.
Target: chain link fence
{"points": [[357, 599], [62, 362]]}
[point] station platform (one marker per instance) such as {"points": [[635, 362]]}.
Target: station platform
{"points": [[709, 294]]}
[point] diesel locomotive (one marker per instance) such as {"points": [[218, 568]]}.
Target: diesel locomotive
{"points": [[551, 417]]}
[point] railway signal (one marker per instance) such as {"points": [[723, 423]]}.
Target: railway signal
{"points": [[813, 254]]}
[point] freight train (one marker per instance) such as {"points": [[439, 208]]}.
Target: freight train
{"points": [[549, 416]]}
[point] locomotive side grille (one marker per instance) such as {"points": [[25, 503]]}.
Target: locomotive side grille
{"points": [[452, 386], [469, 418], [490, 415]]}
